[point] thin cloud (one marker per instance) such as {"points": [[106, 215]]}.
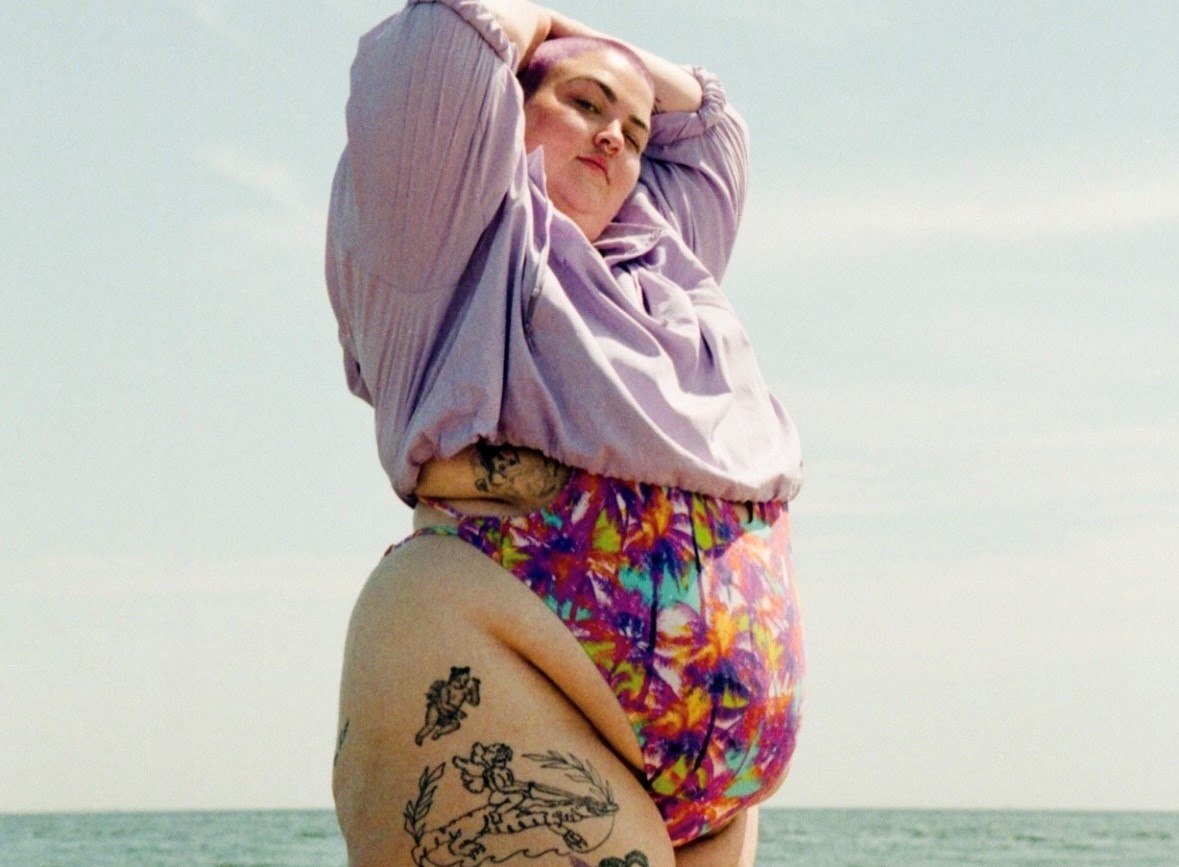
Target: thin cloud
{"points": [[286, 216], [91, 577], [269, 179], [1020, 350], [349, 7], [1028, 203], [214, 16], [907, 446]]}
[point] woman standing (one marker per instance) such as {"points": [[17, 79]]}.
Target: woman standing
{"points": [[525, 274]]}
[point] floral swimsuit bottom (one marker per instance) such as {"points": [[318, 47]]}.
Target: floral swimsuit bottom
{"points": [[689, 612]]}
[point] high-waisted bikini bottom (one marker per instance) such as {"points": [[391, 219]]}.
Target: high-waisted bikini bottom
{"points": [[689, 612]]}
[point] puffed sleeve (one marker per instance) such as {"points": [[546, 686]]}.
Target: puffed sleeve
{"points": [[694, 172], [435, 132], [432, 144]]}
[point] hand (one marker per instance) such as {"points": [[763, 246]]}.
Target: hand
{"points": [[676, 88]]}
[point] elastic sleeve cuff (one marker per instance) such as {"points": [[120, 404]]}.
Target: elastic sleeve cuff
{"points": [[479, 17], [674, 126]]}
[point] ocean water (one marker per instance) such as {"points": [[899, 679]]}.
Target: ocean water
{"points": [[797, 838], [910, 838]]}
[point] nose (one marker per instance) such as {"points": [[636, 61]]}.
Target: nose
{"points": [[609, 138]]}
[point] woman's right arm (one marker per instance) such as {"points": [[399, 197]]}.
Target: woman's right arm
{"points": [[434, 136], [434, 143], [526, 24]]}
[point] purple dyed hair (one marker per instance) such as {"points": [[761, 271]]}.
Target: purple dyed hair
{"points": [[552, 51]]}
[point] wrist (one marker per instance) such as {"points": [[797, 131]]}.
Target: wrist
{"points": [[542, 31], [562, 26]]}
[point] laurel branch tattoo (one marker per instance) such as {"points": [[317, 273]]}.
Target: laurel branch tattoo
{"points": [[513, 811]]}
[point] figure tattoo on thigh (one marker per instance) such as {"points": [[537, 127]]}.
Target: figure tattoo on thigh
{"points": [[516, 817], [444, 704]]}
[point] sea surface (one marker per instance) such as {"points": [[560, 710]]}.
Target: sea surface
{"points": [[789, 838]]}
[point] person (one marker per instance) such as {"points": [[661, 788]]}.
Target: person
{"points": [[527, 228]]}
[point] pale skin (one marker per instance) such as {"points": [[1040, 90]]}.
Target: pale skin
{"points": [[437, 603]]}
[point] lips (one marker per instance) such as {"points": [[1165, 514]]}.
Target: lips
{"points": [[597, 162]]}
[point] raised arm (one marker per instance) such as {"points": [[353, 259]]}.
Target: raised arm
{"points": [[695, 166], [676, 89], [528, 25]]}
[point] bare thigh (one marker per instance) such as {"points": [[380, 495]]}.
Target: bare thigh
{"points": [[474, 729], [733, 846]]}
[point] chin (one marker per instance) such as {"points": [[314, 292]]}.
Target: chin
{"points": [[590, 226]]}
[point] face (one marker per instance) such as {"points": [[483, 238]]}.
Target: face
{"points": [[592, 116]]}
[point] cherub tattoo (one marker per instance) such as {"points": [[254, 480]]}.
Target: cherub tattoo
{"points": [[516, 474], [444, 704], [518, 817]]}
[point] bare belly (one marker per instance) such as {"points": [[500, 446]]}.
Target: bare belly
{"points": [[491, 480]]}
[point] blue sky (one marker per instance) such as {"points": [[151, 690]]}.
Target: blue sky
{"points": [[959, 264]]}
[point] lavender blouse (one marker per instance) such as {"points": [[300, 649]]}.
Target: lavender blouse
{"points": [[469, 308]]}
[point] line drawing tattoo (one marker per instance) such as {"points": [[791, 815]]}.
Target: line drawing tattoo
{"points": [[504, 825], [444, 704], [340, 741], [634, 859], [516, 474]]}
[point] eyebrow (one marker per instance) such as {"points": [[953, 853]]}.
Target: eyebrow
{"points": [[609, 93]]}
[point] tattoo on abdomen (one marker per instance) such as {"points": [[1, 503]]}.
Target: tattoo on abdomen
{"points": [[444, 704], [516, 474], [514, 817]]}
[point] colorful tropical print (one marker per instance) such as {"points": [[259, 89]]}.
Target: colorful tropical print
{"points": [[689, 613]]}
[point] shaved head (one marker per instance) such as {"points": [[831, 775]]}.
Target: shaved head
{"points": [[553, 51]]}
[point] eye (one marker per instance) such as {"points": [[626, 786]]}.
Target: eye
{"points": [[635, 139], [585, 104]]}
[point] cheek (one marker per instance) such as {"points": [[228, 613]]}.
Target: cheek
{"points": [[550, 127], [536, 126], [531, 130], [631, 176], [542, 133]]}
